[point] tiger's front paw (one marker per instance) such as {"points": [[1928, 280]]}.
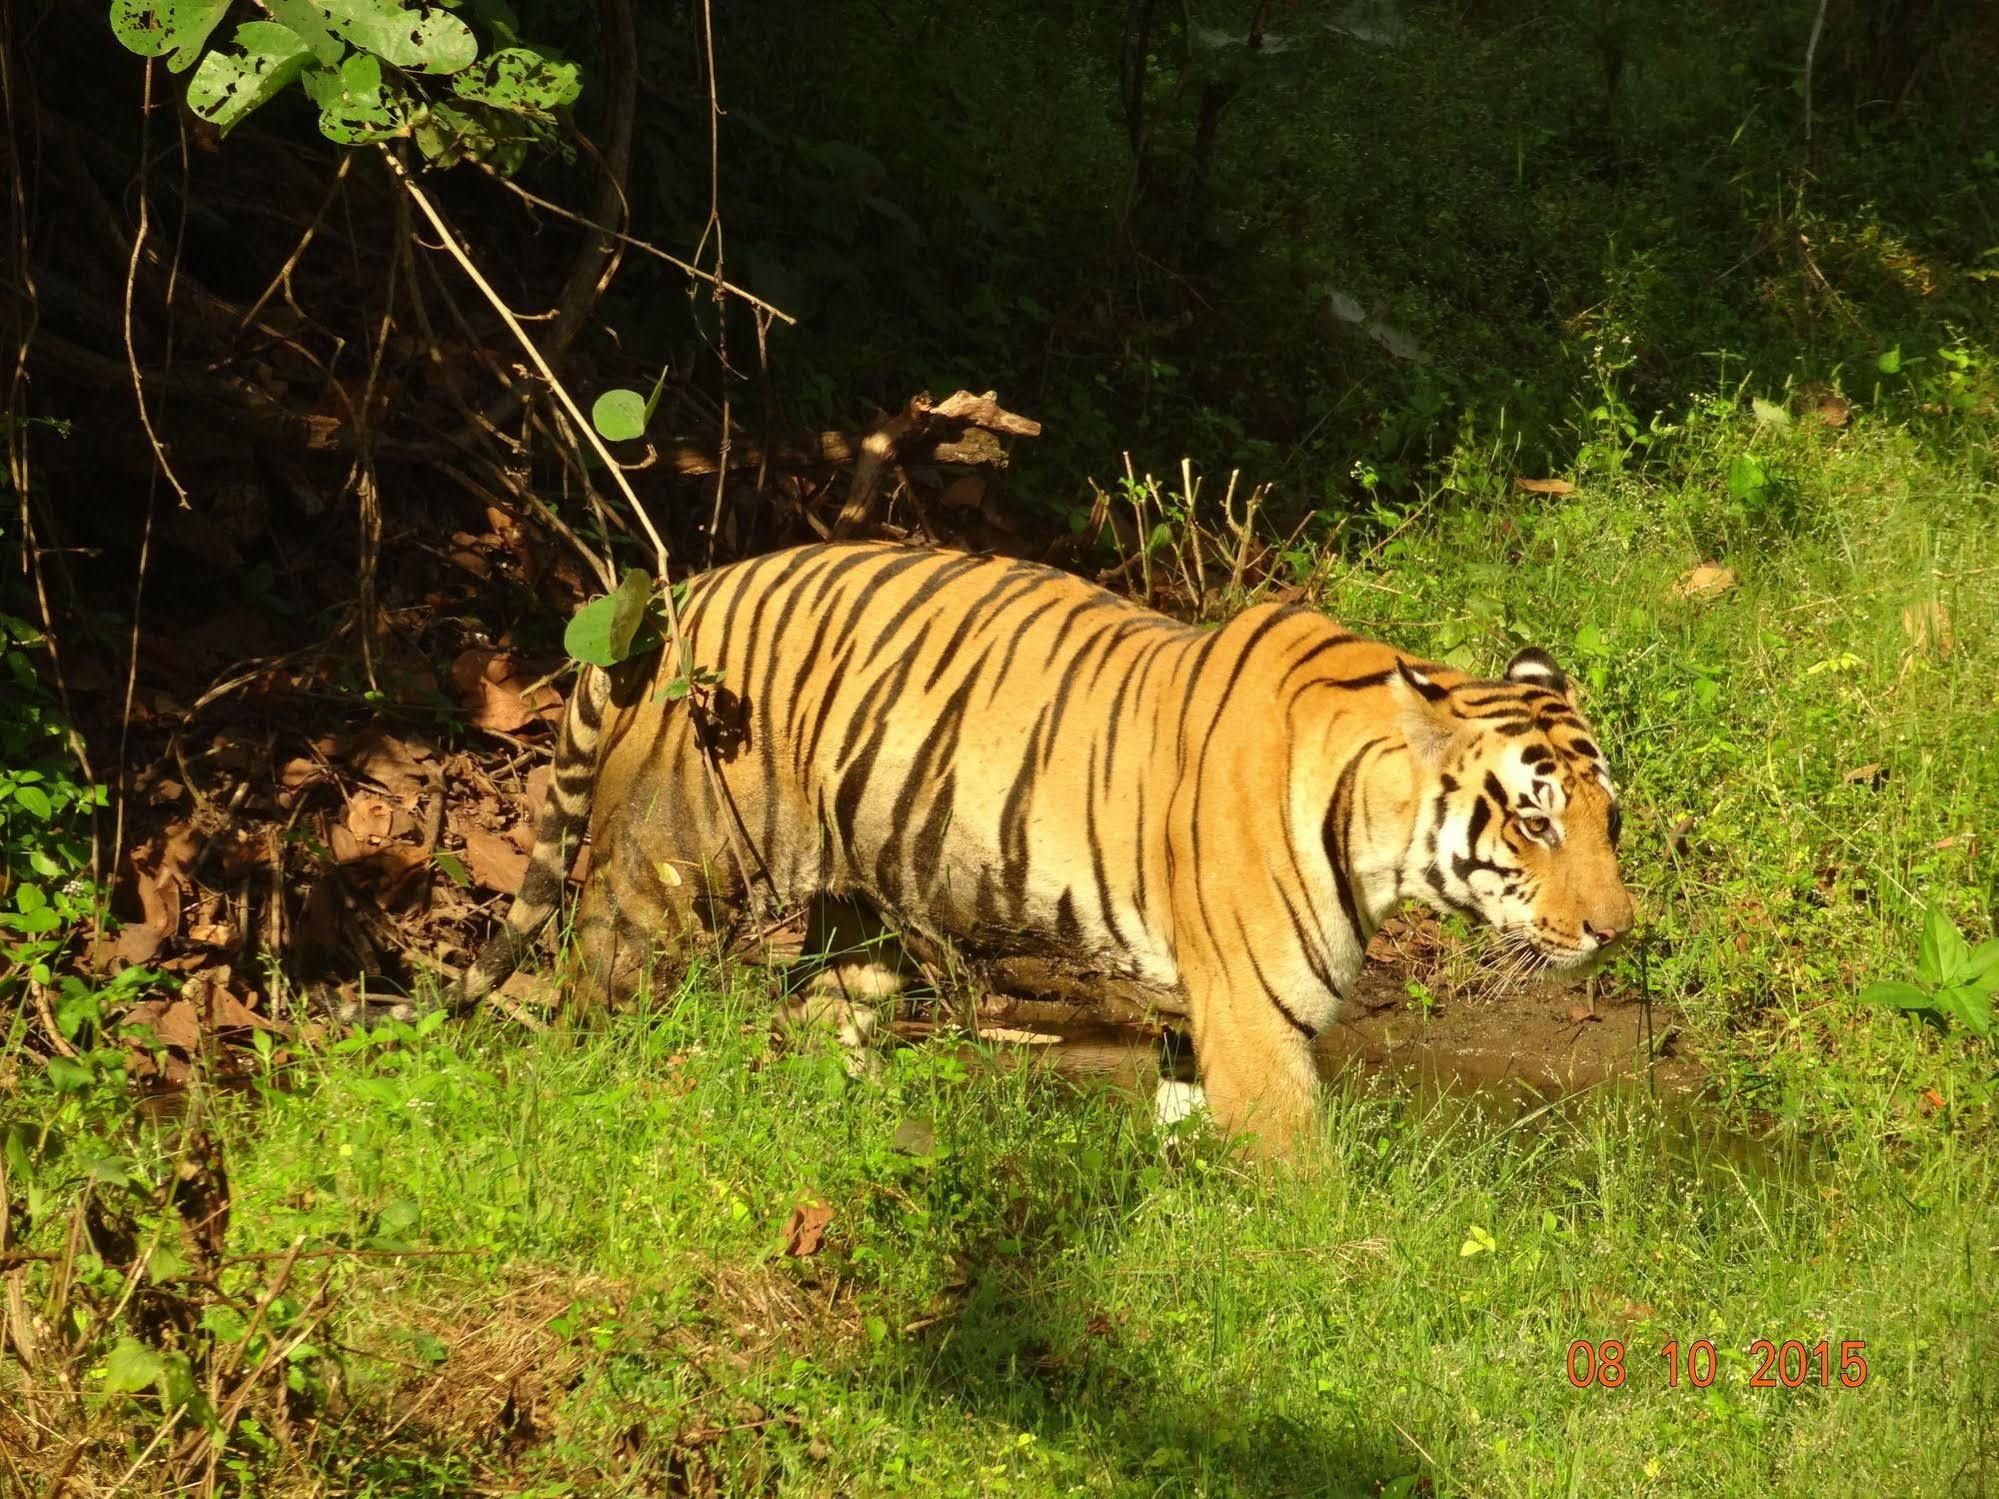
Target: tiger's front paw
{"points": [[819, 1018]]}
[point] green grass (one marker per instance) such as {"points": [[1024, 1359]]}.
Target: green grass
{"points": [[1048, 1301], [1048, 1298]]}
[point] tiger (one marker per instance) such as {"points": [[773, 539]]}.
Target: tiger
{"points": [[1006, 761]]}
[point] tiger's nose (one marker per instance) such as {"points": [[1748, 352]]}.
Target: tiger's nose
{"points": [[1606, 934]]}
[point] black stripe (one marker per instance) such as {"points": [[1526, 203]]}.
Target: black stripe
{"points": [[944, 576], [1104, 902]]}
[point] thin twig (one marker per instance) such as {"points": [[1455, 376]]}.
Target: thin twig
{"points": [[131, 285], [458, 253], [714, 227], [283, 277], [1811, 53]]}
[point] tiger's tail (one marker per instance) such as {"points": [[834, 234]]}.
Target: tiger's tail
{"points": [[557, 835]]}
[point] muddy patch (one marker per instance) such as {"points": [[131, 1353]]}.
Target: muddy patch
{"points": [[1423, 1017]]}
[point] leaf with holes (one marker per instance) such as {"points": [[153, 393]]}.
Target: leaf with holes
{"points": [[606, 631], [522, 80], [174, 29], [356, 105], [229, 85], [419, 38], [306, 19], [448, 135]]}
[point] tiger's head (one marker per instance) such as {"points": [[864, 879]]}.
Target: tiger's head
{"points": [[1523, 825]]}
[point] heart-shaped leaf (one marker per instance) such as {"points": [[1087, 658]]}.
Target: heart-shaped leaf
{"points": [[174, 29], [132, 1366]]}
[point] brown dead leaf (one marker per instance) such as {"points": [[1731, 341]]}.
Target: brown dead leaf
{"points": [[805, 1234], [494, 863], [493, 689], [1930, 1102], [1709, 580], [138, 944], [370, 819], [1584, 1015], [159, 879], [403, 769], [172, 1022], [1545, 486], [1831, 410]]}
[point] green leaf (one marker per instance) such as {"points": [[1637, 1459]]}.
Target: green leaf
{"points": [[1769, 413], [1944, 956], [602, 632], [1971, 1007], [224, 1323], [229, 85], [174, 29], [132, 1366], [447, 135], [306, 20], [1981, 969], [1890, 363], [356, 107], [177, 1386], [419, 38], [1896, 995], [67, 1074], [619, 415], [36, 801], [454, 867], [522, 80], [1747, 478]]}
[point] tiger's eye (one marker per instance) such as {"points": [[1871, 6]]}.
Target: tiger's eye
{"points": [[1535, 826]]}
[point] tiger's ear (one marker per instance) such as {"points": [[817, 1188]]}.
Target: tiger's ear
{"points": [[1427, 723], [1534, 667]]}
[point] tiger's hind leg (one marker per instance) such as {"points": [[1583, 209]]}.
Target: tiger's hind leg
{"points": [[639, 926]]}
